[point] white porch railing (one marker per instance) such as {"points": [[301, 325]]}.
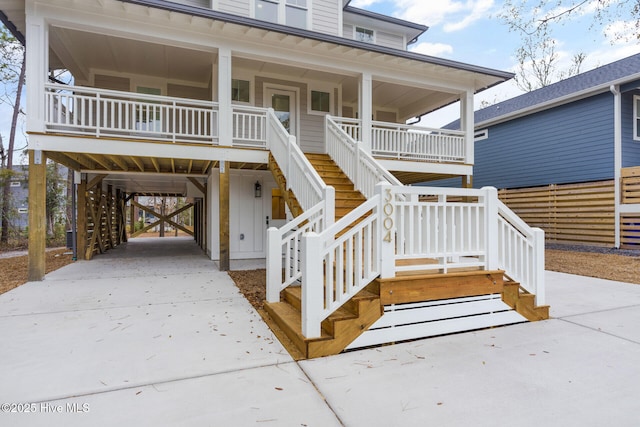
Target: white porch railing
{"points": [[99, 112], [362, 169], [410, 142], [249, 126], [439, 230], [315, 198]]}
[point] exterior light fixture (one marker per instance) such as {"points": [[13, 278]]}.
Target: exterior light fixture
{"points": [[257, 189]]}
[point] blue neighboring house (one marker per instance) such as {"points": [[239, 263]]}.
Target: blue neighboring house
{"points": [[582, 129]]}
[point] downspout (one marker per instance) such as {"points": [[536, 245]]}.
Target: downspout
{"points": [[617, 159]]}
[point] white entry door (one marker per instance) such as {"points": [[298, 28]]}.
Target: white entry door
{"points": [[285, 104]]}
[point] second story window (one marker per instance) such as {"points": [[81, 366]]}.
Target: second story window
{"points": [[288, 12], [296, 13], [267, 10], [364, 35]]}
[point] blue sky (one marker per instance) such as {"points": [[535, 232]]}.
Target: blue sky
{"points": [[469, 31]]}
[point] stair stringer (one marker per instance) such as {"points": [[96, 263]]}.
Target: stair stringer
{"points": [[281, 180], [523, 302], [338, 330]]}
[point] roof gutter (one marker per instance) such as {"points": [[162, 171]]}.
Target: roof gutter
{"points": [[269, 26], [12, 28]]}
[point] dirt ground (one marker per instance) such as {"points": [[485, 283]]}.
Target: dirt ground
{"points": [[13, 271]]}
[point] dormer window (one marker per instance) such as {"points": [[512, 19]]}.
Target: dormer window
{"points": [[364, 35]]}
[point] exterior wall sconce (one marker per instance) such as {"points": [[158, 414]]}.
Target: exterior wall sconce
{"points": [[257, 189]]}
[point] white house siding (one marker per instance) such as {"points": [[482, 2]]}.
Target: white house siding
{"points": [[347, 31], [112, 82], [325, 16], [389, 40], [247, 213], [236, 7]]}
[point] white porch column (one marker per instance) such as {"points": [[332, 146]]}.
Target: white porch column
{"points": [[467, 124], [37, 46], [225, 112], [365, 100]]}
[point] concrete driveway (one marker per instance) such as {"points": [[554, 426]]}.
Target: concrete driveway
{"points": [[151, 336]]}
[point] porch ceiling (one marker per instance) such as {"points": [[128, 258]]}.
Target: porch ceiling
{"points": [[100, 52]]}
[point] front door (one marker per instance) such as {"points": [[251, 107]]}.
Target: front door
{"points": [[285, 105]]}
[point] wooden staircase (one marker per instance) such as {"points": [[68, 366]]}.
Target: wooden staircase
{"points": [[347, 197], [415, 304], [357, 314], [523, 302], [338, 330]]}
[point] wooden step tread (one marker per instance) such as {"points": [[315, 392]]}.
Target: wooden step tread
{"points": [[440, 275], [290, 321]]}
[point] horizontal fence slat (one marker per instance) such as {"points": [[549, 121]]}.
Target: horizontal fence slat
{"points": [[568, 213]]}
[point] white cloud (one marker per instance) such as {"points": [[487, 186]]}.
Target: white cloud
{"points": [[433, 49], [456, 15], [479, 10]]}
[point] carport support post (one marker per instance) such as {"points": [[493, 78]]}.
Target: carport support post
{"points": [[81, 236], [37, 214], [224, 215]]}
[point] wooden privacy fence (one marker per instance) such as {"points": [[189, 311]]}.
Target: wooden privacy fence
{"points": [[630, 222], [568, 213]]}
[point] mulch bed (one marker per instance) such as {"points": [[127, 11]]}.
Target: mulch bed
{"points": [[13, 271]]}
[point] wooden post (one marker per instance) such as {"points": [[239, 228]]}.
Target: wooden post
{"points": [[37, 214], [224, 215], [312, 285], [386, 240], [81, 237]]}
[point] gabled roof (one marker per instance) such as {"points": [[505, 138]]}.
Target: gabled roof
{"points": [[411, 29], [585, 84]]}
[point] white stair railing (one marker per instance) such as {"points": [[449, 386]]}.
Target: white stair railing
{"points": [[362, 169], [316, 199], [521, 252], [340, 261]]}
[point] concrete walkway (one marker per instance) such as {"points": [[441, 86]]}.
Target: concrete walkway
{"points": [[148, 335]]}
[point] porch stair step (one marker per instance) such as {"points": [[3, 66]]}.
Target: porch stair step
{"points": [[347, 197], [338, 330], [523, 302]]}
